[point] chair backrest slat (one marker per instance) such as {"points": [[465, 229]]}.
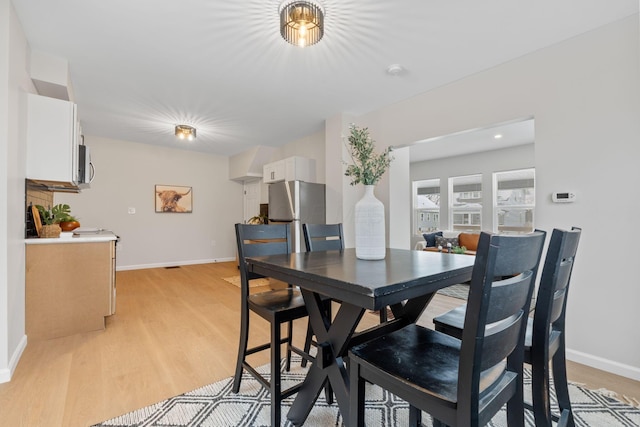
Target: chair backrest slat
{"points": [[323, 237]]}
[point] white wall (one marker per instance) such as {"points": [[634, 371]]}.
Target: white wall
{"points": [[584, 94], [5, 8], [14, 81], [399, 230], [311, 146], [126, 175]]}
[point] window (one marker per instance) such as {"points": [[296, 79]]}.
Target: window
{"points": [[514, 201], [426, 205], [465, 202]]}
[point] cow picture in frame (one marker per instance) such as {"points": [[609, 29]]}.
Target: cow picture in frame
{"points": [[173, 198]]}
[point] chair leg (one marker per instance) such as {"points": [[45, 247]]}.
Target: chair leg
{"points": [[559, 364], [242, 348], [540, 390], [437, 423], [357, 397], [289, 344], [275, 386], [515, 406], [383, 314], [415, 417]]}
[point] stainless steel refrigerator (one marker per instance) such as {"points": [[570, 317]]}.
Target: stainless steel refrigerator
{"points": [[297, 202]]}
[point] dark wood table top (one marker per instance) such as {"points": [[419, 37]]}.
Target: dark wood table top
{"points": [[402, 275]]}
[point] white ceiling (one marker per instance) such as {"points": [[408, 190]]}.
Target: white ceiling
{"points": [[474, 141], [140, 67]]}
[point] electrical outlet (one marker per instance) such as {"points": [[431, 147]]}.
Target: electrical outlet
{"points": [[131, 211]]}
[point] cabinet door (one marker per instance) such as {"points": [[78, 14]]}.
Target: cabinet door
{"points": [[268, 173], [52, 153], [274, 172], [300, 168], [279, 171], [69, 288]]}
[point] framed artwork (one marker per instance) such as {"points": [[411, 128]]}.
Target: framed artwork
{"points": [[173, 198]]}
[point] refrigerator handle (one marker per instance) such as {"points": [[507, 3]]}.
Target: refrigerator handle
{"points": [[294, 214]]}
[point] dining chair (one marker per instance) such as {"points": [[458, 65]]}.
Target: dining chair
{"points": [[461, 382], [277, 306], [545, 337]]}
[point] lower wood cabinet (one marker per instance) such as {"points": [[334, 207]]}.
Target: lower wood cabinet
{"points": [[70, 288]]}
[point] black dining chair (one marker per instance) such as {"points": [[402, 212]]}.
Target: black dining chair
{"points": [[461, 382], [545, 338], [276, 306]]}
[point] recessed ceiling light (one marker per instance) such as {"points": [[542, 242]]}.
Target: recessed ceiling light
{"points": [[395, 70], [497, 136]]}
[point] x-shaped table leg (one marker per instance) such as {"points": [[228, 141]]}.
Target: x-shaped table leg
{"points": [[333, 340]]}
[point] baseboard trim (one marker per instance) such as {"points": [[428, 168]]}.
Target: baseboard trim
{"points": [[607, 365], [7, 373], [172, 264]]}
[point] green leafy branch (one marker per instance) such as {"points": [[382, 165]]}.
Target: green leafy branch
{"points": [[56, 214], [368, 166]]}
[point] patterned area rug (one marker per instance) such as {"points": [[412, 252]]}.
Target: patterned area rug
{"points": [[460, 291], [255, 283], [216, 405]]}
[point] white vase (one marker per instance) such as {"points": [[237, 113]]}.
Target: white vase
{"points": [[370, 236]]}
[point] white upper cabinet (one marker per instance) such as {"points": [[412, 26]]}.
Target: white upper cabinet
{"points": [[290, 169], [53, 135], [273, 172]]}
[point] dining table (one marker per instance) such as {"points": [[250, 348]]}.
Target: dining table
{"points": [[405, 281]]}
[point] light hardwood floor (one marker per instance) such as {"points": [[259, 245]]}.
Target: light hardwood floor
{"points": [[174, 330]]}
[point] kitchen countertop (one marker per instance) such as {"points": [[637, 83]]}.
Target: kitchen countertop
{"points": [[85, 237]]}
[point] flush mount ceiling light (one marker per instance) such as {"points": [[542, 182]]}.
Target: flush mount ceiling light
{"points": [[301, 22], [186, 132]]}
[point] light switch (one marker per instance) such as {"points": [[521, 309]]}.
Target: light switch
{"points": [[131, 211]]}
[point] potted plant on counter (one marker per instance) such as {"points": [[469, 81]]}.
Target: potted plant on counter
{"points": [[69, 223], [56, 219]]}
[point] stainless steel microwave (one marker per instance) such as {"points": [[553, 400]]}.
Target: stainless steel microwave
{"points": [[86, 171]]}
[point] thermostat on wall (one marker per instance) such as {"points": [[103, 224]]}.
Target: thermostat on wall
{"points": [[563, 197]]}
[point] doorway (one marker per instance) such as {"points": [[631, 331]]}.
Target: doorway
{"points": [[251, 200]]}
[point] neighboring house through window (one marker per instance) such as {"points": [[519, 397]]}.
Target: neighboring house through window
{"points": [[426, 205], [514, 201], [465, 202]]}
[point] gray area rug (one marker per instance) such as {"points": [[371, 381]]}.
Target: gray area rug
{"points": [[216, 405]]}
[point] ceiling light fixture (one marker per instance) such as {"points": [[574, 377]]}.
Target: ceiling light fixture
{"points": [[301, 22], [497, 136], [186, 132]]}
